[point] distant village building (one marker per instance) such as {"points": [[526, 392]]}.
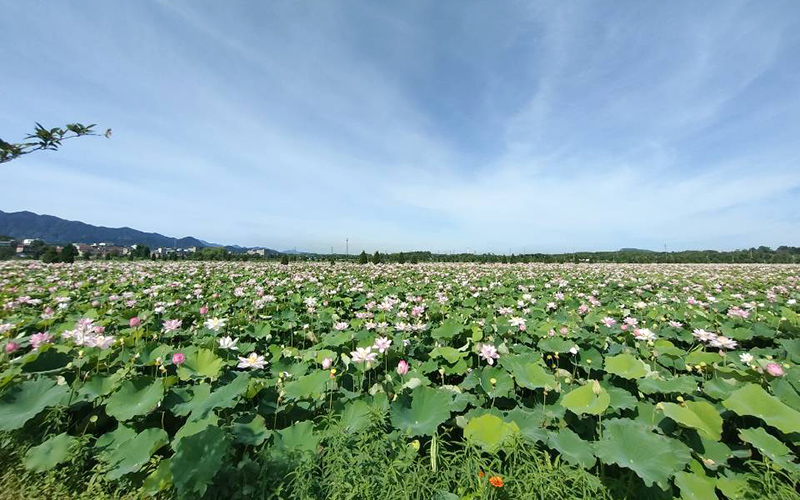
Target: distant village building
{"points": [[83, 249]]}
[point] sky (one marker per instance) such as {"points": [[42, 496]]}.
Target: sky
{"points": [[451, 126]]}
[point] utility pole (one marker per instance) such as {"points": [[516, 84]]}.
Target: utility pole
{"points": [[347, 246]]}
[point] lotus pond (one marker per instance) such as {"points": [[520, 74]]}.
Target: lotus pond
{"points": [[443, 381]]}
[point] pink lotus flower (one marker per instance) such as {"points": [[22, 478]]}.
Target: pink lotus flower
{"points": [[402, 367], [609, 322], [204, 310], [38, 339], [382, 344], [101, 341], [11, 347], [489, 353], [737, 312], [518, 322], [178, 358], [171, 325], [775, 369], [135, 322], [342, 325], [327, 363], [363, 355]]}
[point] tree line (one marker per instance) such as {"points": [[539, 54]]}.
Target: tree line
{"points": [[40, 250]]}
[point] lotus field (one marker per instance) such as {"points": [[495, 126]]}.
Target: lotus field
{"points": [[426, 381]]}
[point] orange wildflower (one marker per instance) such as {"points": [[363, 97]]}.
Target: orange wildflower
{"points": [[481, 474], [496, 481]]}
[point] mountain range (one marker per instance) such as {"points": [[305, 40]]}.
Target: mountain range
{"points": [[55, 230]]}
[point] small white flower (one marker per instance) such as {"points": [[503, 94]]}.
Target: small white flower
{"points": [[723, 342], [644, 334], [228, 343], [215, 324], [253, 361], [746, 358]]}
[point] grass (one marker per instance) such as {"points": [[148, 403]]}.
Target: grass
{"points": [[371, 465]]}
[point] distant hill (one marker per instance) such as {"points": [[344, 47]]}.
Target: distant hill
{"points": [[297, 252], [56, 230], [635, 250]]}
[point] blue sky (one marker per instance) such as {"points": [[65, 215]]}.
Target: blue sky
{"points": [[447, 125]]}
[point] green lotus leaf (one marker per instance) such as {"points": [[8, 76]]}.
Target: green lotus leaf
{"points": [[192, 427], [112, 440], [590, 398], [196, 461], [792, 347], [528, 373], [226, 396], [620, 398], [784, 391], [490, 432], [299, 439], [451, 354], [135, 397], [159, 480], [555, 344], [753, 400], [429, 408], [355, 416], [99, 385], [184, 400], [678, 385], [699, 415], [447, 330], [336, 338], [720, 387], [250, 430], [714, 454], [50, 453], [26, 400], [201, 363], [502, 386], [311, 386], [770, 446], [133, 454], [572, 448], [697, 357], [626, 366], [632, 445], [529, 423], [666, 347], [733, 486], [46, 361], [695, 486]]}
